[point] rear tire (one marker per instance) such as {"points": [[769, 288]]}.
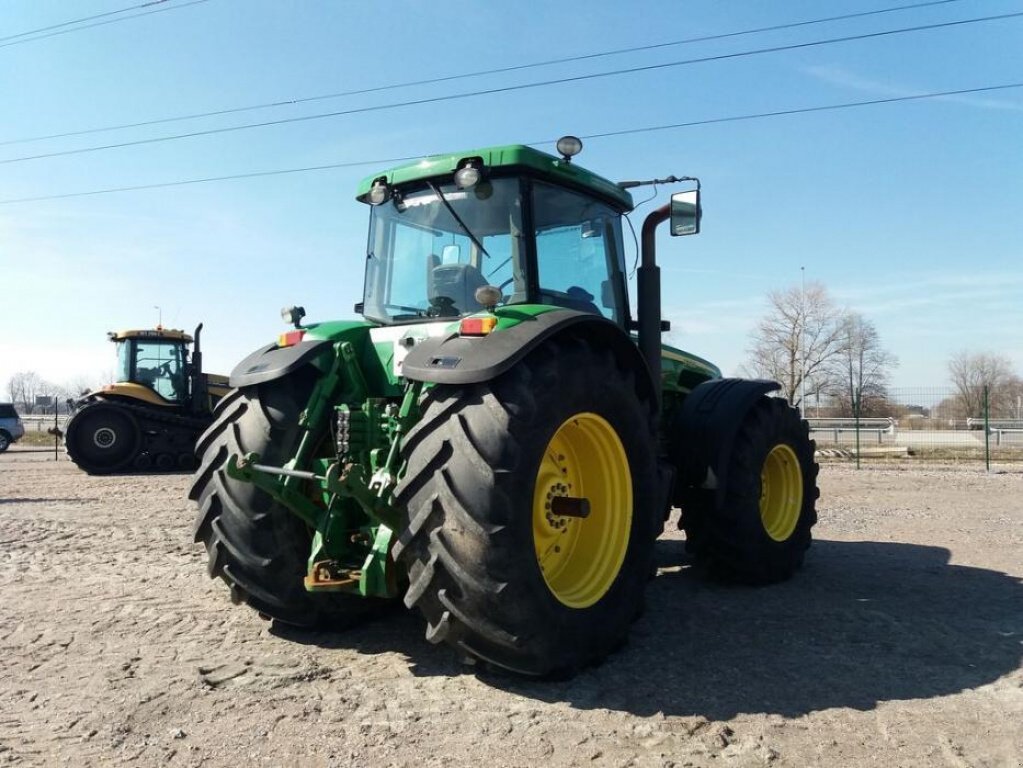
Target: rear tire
{"points": [[496, 573], [5, 441], [763, 529], [254, 544], [102, 438]]}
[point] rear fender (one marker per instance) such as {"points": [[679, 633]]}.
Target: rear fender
{"points": [[455, 359], [703, 431], [273, 362]]}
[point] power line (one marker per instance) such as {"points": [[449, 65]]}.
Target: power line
{"points": [[547, 142], [466, 75], [505, 89], [78, 21], [804, 110], [11, 41]]}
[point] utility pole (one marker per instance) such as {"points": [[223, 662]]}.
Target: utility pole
{"points": [[802, 352], [159, 323]]}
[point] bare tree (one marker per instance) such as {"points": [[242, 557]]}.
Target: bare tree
{"points": [[23, 388], [862, 367], [797, 340], [973, 373]]}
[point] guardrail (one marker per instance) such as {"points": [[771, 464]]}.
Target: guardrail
{"points": [[837, 426], [1004, 424], [998, 427], [42, 423]]}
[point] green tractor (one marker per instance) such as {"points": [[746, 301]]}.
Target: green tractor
{"points": [[500, 440]]}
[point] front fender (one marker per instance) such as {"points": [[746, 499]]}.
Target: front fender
{"points": [[703, 431]]}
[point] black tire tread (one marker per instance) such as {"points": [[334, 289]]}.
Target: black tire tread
{"points": [[729, 542], [464, 460], [255, 545]]}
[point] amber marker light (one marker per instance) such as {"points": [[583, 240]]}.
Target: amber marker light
{"points": [[290, 338], [477, 326]]}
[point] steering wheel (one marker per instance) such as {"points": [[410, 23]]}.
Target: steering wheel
{"points": [[442, 306]]}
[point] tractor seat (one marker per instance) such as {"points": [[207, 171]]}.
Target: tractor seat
{"points": [[453, 288]]}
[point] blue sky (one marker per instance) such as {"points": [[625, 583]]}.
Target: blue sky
{"points": [[908, 212]]}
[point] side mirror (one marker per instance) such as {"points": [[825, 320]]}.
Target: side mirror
{"points": [[685, 213]]}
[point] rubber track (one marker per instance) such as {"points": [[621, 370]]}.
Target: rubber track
{"points": [[187, 429]]}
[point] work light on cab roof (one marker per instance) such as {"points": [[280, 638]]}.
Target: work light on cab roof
{"points": [[568, 147], [380, 192], [469, 173]]}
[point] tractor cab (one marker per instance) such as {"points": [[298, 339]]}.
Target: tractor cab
{"points": [[154, 359], [527, 227]]}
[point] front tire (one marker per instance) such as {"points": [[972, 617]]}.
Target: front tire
{"points": [[502, 570], [253, 543], [5, 441], [763, 528]]}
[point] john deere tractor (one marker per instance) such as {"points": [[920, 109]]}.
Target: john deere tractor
{"points": [[499, 440], [150, 418]]}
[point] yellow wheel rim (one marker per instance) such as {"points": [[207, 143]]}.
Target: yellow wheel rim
{"points": [[781, 492], [580, 556]]}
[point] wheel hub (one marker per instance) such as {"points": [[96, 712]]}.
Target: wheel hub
{"points": [[781, 492], [104, 437], [582, 510]]}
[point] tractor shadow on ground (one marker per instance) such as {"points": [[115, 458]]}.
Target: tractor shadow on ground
{"points": [[862, 623], [394, 630]]}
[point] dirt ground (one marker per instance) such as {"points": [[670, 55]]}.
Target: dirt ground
{"points": [[899, 644]]}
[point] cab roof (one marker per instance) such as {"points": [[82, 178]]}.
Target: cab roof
{"points": [[511, 156], [153, 334]]}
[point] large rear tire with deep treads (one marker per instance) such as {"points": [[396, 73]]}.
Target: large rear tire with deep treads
{"points": [[763, 527], [253, 543], [531, 509], [102, 437]]}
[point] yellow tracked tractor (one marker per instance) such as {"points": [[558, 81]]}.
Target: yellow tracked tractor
{"points": [[150, 418]]}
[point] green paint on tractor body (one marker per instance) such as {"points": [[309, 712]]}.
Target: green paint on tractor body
{"points": [[512, 156], [341, 478]]}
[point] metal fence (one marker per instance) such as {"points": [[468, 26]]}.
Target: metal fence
{"points": [[924, 423]]}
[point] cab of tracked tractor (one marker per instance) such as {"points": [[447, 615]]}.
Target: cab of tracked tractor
{"points": [[163, 367], [156, 360]]}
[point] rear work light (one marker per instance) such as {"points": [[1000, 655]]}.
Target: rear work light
{"points": [[477, 326], [290, 338]]}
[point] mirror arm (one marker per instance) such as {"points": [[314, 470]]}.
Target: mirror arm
{"points": [[668, 180]]}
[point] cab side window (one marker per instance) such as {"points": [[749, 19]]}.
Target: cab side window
{"points": [[578, 252]]}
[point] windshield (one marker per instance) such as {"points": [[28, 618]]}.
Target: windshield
{"points": [[424, 262], [161, 366]]}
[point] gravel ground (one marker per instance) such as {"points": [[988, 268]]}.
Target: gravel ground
{"points": [[899, 644]]}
